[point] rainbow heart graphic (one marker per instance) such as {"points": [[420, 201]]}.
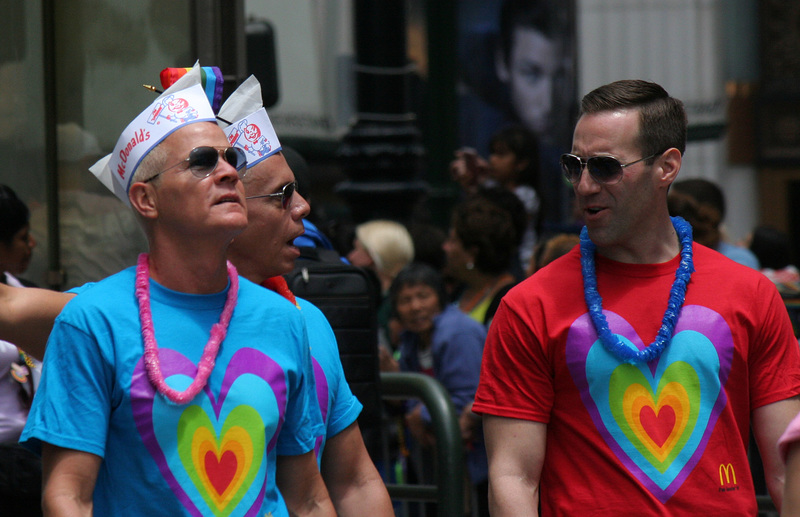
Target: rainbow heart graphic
{"points": [[656, 417], [221, 466], [213, 451]]}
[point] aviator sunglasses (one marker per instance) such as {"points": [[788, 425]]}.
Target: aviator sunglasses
{"points": [[202, 161], [285, 194], [604, 169]]}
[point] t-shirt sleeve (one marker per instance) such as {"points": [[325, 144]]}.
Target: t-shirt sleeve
{"points": [[346, 407], [73, 404], [515, 379], [303, 419], [774, 360]]}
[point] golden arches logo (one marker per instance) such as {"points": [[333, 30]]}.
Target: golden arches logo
{"points": [[729, 472]]}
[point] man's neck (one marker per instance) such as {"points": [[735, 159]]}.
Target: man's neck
{"points": [[653, 245], [194, 271]]}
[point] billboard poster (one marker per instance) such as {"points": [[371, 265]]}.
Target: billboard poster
{"points": [[517, 67]]}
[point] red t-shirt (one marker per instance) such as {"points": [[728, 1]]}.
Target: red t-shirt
{"points": [[665, 438]]}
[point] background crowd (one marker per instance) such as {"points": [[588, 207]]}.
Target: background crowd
{"points": [[443, 303]]}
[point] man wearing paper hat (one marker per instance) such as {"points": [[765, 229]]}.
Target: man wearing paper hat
{"points": [[162, 393], [263, 252], [260, 253]]}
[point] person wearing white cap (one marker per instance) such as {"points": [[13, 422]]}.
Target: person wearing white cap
{"points": [[264, 251], [171, 387], [260, 253]]}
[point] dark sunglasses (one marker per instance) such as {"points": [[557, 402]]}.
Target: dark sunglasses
{"points": [[604, 169], [285, 194], [202, 161]]}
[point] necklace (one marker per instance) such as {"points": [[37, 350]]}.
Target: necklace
{"points": [[677, 296], [218, 331]]}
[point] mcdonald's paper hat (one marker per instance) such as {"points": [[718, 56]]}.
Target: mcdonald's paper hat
{"points": [[185, 102], [250, 128]]}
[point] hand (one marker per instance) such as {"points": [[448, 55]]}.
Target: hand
{"points": [[468, 169], [386, 362], [468, 422], [395, 329]]}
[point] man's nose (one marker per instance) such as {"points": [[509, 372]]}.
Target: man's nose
{"points": [[585, 183], [298, 205], [225, 171]]}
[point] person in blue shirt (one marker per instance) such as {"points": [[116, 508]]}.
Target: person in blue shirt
{"points": [[710, 197], [439, 340], [261, 252], [162, 393]]}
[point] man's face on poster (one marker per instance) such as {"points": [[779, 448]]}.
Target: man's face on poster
{"points": [[532, 67]]}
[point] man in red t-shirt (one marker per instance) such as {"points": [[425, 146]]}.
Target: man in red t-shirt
{"points": [[581, 415]]}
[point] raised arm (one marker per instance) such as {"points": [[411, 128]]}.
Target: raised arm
{"points": [[301, 485], [516, 455], [27, 315], [769, 422], [353, 483]]}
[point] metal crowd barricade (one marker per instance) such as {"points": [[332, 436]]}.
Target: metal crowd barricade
{"points": [[448, 491]]}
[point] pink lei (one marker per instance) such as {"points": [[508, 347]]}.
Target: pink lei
{"points": [[218, 332]]}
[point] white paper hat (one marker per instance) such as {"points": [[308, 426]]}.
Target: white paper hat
{"points": [[183, 103], [250, 128]]}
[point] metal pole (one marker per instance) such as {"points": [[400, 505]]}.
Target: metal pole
{"points": [[449, 488]]}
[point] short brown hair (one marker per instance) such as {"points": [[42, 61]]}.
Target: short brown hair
{"points": [[662, 118]]}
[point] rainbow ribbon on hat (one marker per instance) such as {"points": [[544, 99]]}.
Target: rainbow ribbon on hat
{"points": [[210, 79]]}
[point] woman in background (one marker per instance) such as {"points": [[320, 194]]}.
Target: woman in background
{"points": [[385, 247], [481, 248], [20, 470], [16, 241], [439, 340]]}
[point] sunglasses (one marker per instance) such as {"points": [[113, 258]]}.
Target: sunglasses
{"points": [[604, 169], [202, 161], [285, 194]]}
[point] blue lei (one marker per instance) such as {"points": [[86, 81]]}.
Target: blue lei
{"points": [[677, 295]]}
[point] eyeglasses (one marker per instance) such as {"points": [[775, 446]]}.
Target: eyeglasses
{"points": [[285, 194], [202, 161], [604, 169]]}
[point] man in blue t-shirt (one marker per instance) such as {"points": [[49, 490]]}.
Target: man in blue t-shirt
{"points": [[193, 422], [268, 249], [260, 253]]}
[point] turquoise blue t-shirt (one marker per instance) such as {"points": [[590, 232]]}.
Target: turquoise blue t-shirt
{"points": [[213, 456]]}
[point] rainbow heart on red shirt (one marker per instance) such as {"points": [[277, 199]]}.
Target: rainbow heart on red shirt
{"points": [[658, 417]]}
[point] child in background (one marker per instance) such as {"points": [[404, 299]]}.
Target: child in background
{"points": [[514, 165]]}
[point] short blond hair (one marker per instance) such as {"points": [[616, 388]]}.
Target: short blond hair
{"points": [[388, 243]]}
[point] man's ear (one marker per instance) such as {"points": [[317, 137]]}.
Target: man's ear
{"points": [[670, 165], [143, 198]]}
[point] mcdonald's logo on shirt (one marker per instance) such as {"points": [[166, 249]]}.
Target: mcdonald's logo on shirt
{"points": [[727, 478], [727, 474]]}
